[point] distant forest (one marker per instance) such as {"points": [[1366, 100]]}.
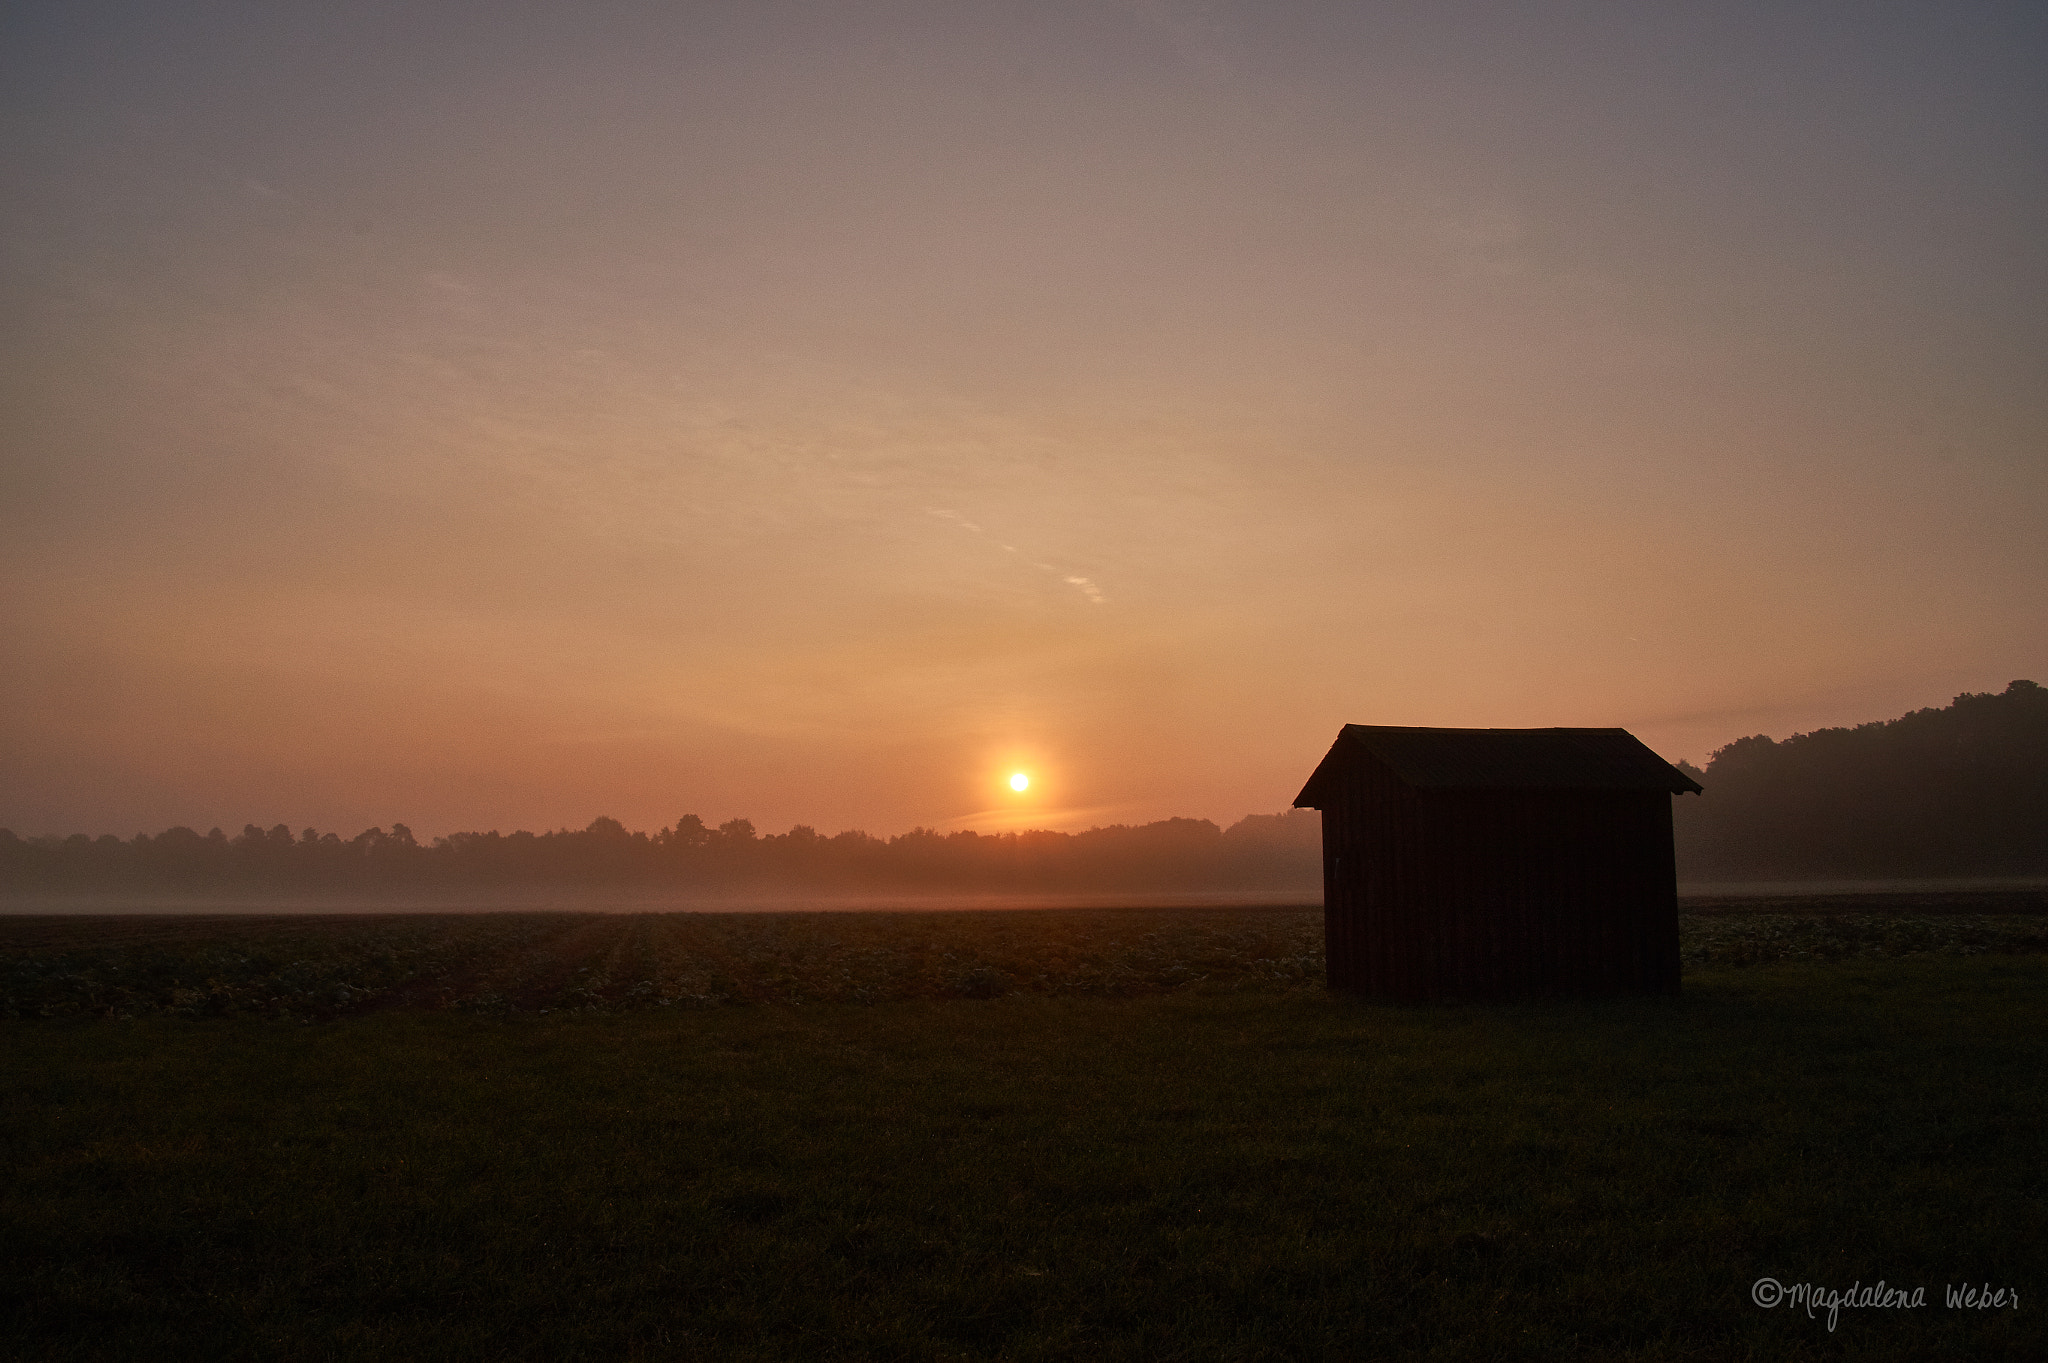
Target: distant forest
{"points": [[1260, 852], [1959, 791]]}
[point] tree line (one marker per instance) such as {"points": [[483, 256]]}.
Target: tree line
{"points": [[1275, 852], [1956, 791]]}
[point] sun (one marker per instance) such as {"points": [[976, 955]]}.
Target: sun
{"points": [[1019, 781]]}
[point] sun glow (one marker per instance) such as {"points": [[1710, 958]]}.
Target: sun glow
{"points": [[1019, 781]]}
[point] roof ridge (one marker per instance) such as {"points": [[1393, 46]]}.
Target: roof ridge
{"points": [[1559, 758]]}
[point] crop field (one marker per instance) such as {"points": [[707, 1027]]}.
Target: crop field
{"points": [[1112, 1135], [542, 962], [307, 966]]}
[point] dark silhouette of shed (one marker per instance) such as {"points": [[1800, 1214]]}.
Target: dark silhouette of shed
{"points": [[1489, 863]]}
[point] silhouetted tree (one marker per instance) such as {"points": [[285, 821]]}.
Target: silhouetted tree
{"points": [[1958, 791]]}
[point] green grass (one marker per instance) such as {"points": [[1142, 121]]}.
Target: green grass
{"points": [[1193, 1172]]}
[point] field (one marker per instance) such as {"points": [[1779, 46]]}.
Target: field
{"points": [[329, 966], [1122, 1134]]}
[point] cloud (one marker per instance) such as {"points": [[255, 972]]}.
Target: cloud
{"points": [[1086, 587]]}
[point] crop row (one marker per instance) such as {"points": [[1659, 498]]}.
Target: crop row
{"points": [[325, 967]]}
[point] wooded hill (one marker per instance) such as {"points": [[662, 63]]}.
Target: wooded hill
{"points": [[1958, 791]]}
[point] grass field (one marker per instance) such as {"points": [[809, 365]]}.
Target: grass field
{"points": [[1116, 1135]]}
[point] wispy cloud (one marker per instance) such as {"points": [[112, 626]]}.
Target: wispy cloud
{"points": [[1083, 585], [1070, 818]]}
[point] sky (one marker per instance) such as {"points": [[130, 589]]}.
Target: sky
{"points": [[495, 416]]}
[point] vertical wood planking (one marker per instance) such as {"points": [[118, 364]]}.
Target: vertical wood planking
{"points": [[1496, 894]]}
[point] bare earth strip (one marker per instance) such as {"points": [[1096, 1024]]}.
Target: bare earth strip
{"points": [[480, 971], [556, 973]]}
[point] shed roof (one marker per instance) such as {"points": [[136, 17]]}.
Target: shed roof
{"points": [[1501, 759]]}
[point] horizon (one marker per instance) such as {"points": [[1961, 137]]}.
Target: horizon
{"points": [[830, 417], [652, 833], [2018, 687]]}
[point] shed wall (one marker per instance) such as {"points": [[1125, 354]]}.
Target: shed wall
{"points": [[1432, 894]]}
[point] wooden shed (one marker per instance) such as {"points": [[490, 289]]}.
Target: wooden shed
{"points": [[1492, 863]]}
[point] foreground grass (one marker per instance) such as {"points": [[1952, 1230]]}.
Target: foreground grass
{"points": [[1181, 1175]]}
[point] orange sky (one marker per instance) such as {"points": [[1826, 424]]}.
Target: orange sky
{"points": [[815, 413]]}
